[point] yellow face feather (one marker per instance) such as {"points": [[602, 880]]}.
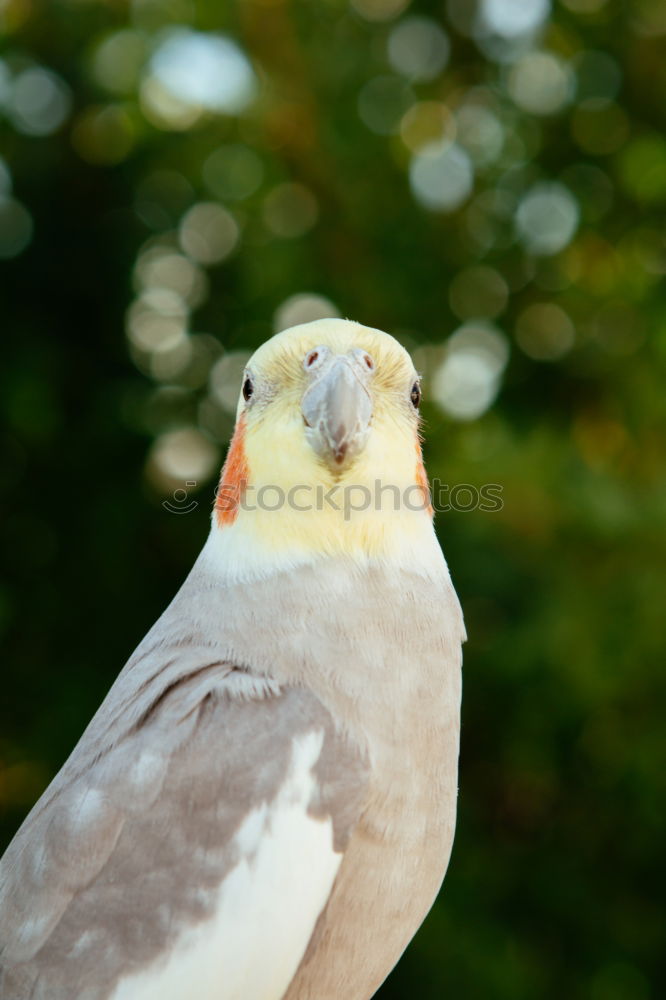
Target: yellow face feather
{"points": [[291, 499]]}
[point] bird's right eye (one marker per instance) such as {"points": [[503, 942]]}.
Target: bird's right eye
{"points": [[248, 388]]}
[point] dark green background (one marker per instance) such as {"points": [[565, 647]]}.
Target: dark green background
{"points": [[554, 885]]}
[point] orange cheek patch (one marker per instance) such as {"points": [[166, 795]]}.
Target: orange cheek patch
{"points": [[422, 479], [233, 480]]}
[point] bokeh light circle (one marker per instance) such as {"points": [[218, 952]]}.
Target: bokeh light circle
{"points": [[208, 233], [418, 48], [544, 331], [303, 308], [204, 70], [441, 176], [541, 83], [39, 101], [547, 218], [15, 227], [468, 379]]}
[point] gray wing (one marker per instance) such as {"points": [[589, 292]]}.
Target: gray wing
{"points": [[131, 844]]}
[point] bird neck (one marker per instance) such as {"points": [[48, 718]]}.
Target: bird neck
{"points": [[265, 528]]}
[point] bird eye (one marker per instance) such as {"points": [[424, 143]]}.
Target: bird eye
{"points": [[248, 388], [415, 395]]}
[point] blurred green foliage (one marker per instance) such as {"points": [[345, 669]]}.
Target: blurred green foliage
{"points": [[486, 181]]}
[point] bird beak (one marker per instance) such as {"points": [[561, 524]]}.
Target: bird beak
{"points": [[337, 406]]}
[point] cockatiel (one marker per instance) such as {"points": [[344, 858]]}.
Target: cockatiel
{"points": [[263, 807]]}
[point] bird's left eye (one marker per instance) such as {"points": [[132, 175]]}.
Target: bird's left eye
{"points": [[415, 395], [248, 388]]}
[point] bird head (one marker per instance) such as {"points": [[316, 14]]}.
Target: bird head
{"points": [[326, 455]]}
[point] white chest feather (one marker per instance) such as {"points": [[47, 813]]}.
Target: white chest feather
{"points": [[267, 905]]}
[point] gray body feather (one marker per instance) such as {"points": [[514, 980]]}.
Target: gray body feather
{"points": [[135, 835]]}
